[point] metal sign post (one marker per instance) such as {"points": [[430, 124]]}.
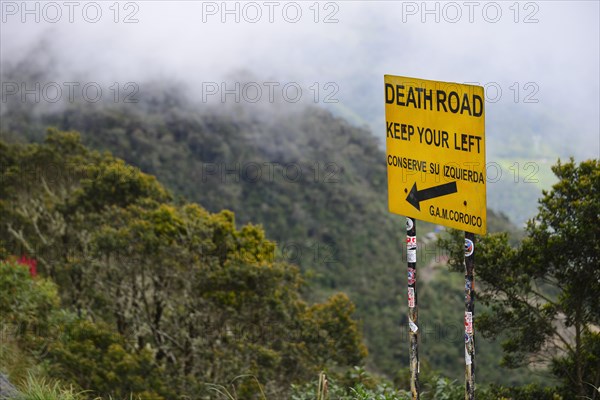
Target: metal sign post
{"points": [[469, 316], [413, 315], [435, 153]]}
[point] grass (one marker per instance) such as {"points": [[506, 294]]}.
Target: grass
{"points": [[34, 388], [222, 390], [40, 389]]}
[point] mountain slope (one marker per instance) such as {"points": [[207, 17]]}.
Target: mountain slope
{"points": [[315, 182]]}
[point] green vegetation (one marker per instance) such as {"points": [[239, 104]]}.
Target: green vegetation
{"points": [[39, 389], [156, 291], [543, 295], [311, 180], [156, 299]]}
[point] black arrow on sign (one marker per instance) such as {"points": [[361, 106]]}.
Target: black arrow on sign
{"points": [[416, 196]]}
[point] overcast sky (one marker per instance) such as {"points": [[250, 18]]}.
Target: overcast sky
{"points": [[543, 56]]}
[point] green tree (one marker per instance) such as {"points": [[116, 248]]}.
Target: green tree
{"points": [[57, 343], [213, 301], [94, 356], [26, 307], [207, 300], [543, 294]]}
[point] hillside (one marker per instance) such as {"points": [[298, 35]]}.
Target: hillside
{"points": [[316, 183], [108, 284]]}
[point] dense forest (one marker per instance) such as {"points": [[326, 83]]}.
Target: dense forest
{"points": [[310, 179], [180, 246], [183, 294]]}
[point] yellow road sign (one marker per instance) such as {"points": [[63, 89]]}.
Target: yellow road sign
{"points": [[435, 152]]}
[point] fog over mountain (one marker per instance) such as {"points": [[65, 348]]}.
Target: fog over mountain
{"points": [[539, 61], [272, 113]]}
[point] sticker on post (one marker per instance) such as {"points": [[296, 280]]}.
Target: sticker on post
{"points": [[469, 322], [409, 224], [468, 290], [412, 325], [469, 247], [412, 275], [411, 255], [411, 242], [411, 297], [468, 360]]}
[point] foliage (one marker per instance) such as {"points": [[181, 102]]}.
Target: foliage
{"points": [[355, 385], [95, 357], [316, 183], [434, 387], [544, 294], [27, 305], [173, 290], [64, 346], [444, 389], [40, 389], [527, 392]]}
